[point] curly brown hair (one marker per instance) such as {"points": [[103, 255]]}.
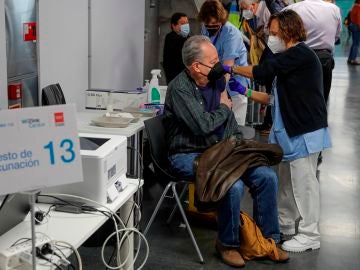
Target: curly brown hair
{"points": [[213, 9], [290, 24]]}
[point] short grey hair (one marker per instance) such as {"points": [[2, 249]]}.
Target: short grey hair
{"points": [[192, 51]]}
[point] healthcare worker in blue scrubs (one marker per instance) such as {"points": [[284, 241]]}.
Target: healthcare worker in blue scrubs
{"points": [[230, 47]]}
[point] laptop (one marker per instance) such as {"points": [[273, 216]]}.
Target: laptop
{"points": [[13, 210]]}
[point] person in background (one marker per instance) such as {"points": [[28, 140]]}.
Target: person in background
{"points": [[299, 125], [354, 27], [322, 22], [230, 46], [197, 115], [174, 41], [257, 11]]}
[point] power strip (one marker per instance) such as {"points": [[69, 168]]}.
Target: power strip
{"points": [[10, 258]]}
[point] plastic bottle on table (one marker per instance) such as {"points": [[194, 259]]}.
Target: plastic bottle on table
{"points": [[153, 91]]}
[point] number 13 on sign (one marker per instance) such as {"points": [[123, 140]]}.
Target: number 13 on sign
{"points": [[66, 149]]}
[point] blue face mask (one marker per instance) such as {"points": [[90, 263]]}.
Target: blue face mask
{"points": [[184, 30]]}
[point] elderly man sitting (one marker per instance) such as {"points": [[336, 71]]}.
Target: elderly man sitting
{"points": [[197, 116]]}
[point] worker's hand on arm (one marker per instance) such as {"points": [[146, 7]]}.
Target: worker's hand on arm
{"points": [[227, 68], [224, 99], [236, 86]]}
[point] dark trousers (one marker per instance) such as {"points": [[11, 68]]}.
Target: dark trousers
{"points": [[355, 34], [327, 62]]}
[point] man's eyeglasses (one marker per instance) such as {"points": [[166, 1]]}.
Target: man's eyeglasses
{"points": [[205, 65]]}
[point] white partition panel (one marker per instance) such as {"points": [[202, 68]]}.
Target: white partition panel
{"points": [[63, 47], [117, 44], [3, 73]]}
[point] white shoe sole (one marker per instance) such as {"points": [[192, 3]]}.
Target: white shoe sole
{"points": [[301, 249]]}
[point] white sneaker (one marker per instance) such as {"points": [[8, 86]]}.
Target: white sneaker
{"points": [[300, 243], [287, 231]]}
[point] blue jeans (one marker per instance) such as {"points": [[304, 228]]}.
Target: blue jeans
{"points": [[355, 34], [263, 184]]}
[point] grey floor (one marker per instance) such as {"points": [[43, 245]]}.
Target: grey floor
{"points": [[339, 174]]}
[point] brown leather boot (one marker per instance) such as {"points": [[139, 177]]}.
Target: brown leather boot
{"points": [[229, 255], [281, 256]]}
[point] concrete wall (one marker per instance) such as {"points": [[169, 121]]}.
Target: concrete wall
{"points": [[151, 38]]}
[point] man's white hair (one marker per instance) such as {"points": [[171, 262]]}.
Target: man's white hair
{"points": [[192, 49]]}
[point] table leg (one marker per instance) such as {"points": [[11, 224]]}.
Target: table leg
{"points": [[127, 214]]}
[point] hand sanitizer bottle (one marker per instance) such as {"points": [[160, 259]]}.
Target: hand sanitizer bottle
{"points": [[153, 91]]}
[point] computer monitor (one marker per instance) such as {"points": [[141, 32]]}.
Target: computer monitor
{"points": [[13, 210]]}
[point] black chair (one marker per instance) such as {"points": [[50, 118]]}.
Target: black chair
{"points": [[156, 135], [52, 95]]}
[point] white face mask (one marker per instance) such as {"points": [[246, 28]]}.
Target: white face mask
{"points": [[184, 30], [248, 14], [276, 44]]}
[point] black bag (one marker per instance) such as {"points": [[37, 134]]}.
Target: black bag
{"points": [[347, 19]]}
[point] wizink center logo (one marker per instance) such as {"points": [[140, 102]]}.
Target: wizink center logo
{"points": [[59, 119], [32, 122], [6, 124]]}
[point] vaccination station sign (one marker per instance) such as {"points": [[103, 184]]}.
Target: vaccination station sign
{"points": [[39, 148]]}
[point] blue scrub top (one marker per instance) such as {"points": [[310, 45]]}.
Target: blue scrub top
{"points": [[299, 146], [230, 45]]}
